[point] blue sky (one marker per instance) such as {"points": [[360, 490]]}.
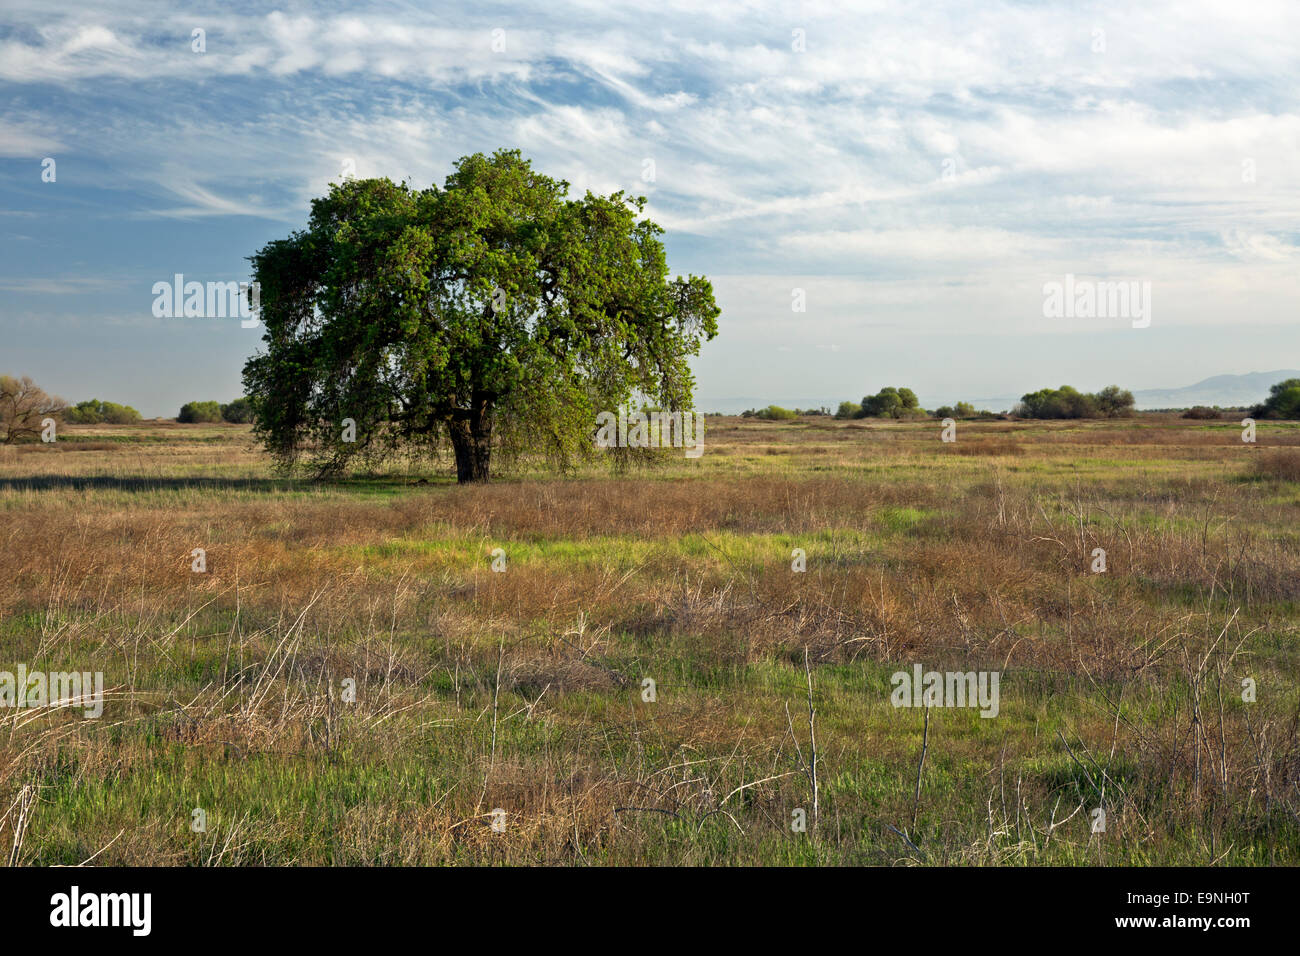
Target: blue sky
{"points": [[918, 170]]}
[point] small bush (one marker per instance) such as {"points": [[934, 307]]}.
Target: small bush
{"points": [[1201, 413]]}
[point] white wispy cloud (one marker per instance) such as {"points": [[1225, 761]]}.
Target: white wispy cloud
{"points": [[25, 138], [932, 164]]}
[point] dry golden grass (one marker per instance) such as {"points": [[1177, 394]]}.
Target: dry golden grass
{"points": [[523, 690], [1283, 463]]}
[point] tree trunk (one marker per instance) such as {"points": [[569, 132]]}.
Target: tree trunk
{"points": [[471, 438]]}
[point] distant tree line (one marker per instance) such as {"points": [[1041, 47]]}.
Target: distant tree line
{"points": [[898, 402], [775, 413], [1204, 412], [95, 412], [961, 410], [238, 412], [1067, 402]]}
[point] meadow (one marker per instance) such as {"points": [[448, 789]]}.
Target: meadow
{"points": [[349, 682]]}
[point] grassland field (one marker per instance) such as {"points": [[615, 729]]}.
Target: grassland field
{"points": [[525, 691]]}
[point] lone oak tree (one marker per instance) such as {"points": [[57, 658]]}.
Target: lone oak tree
{"points": [[494, 311], [24, 405]]}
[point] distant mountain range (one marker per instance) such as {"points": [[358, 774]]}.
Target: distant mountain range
{"points": [[1224, 390]]}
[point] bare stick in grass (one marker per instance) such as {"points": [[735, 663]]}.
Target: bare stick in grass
{"points": [[920, 767], [812, 737]]}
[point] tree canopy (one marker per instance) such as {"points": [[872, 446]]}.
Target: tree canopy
{"points": [[960, 410], [1069, 402], [890, 402], [491, 312], [94, 412], [24, 405], [199, 412], [239, 411], [1283, 401]]}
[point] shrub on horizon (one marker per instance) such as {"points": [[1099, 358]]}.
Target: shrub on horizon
{"points": [[238, 412], [1283, 401], [891, 402], [95, 412], [1069, 402], [199, 412], [773, 413]]}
